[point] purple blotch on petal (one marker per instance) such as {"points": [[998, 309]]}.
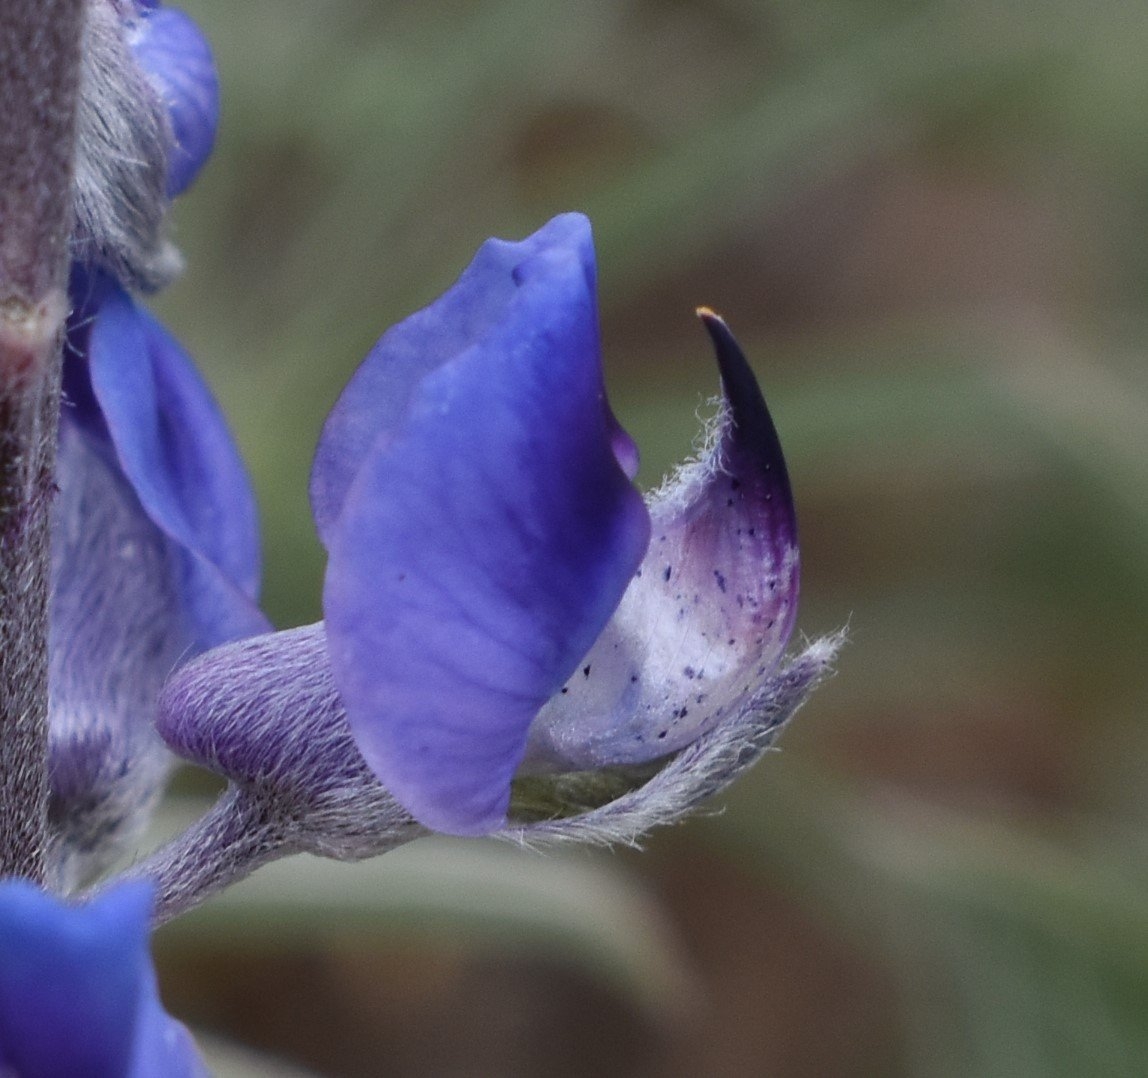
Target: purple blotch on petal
{"points": [[706, 619], [484, 538], [177, 59], [116, 630]]}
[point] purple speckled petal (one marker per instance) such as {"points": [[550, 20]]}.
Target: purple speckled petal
{"points": [[174, 447], [702, 769], [177, 59], [709, 614], [77, 991], [481, 541]]}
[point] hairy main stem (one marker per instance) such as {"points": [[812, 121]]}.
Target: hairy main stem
{"points": [[40, 57]]}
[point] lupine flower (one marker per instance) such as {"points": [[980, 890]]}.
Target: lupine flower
{"points": [[155, 558], [78, 993], [498, 599], [176, 57], [149, 107], [154, 541]]}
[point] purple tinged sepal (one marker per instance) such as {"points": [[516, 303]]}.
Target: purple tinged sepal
{"points": [[265, 713], [707, 616], [78, 993]]}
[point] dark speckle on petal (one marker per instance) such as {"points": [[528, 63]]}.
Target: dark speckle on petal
{"points": [[729, 564]]}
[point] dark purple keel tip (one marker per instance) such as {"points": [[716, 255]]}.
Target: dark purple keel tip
{"points": [[752, 437]]}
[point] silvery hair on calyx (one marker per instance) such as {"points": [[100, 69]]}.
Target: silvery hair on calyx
{"points": [[122, 137]]}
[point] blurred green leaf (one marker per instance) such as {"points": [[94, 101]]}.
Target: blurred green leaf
{"points": [[1018, 955], [1094, 417]]}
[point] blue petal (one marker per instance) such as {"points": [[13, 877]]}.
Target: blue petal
{"points": [[481, 540], [77, 992], [177, 59], [174, 447], [379, 395]]}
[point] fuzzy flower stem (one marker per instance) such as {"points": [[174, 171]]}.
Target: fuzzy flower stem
{"points": [[40, 58], [237, 835]]}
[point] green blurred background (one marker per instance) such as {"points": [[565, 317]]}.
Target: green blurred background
{"points": [[926, 222]]}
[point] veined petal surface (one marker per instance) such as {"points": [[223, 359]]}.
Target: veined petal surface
{"points": [[379, 395], [481, 540]]}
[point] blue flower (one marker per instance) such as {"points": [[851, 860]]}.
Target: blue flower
{"points": [[78, 993], [148, 112], [176, 57], [155, 557], [499, 599], [155, 550], [480, 526]]}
